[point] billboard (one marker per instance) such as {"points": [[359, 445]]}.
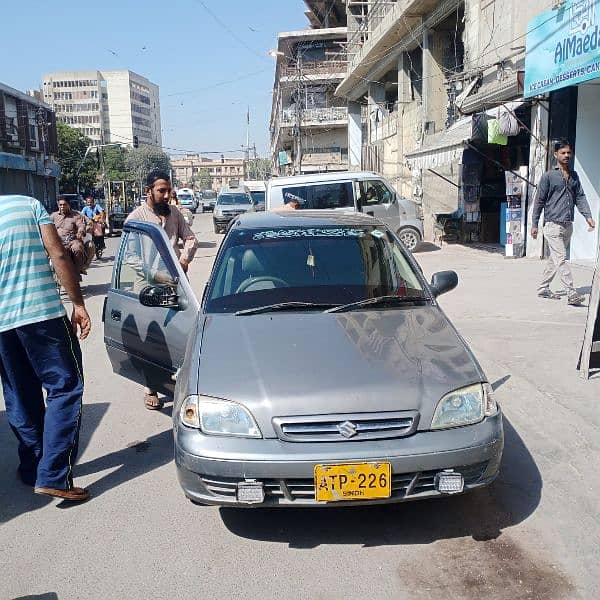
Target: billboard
{"points": [[563, 47]]}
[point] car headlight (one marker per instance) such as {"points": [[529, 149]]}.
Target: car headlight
{"points": [[465, 406], [218, 417]]}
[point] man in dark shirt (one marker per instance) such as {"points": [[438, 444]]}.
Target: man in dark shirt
{"points": [[559, 191]]}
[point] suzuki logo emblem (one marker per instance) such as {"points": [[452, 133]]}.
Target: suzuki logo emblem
{"points": [[347, 429]]}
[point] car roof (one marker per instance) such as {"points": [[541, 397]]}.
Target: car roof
{"points": [[318, 177], [303, 218]]}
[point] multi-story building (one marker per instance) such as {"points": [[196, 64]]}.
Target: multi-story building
{"points": [[424, 79], [27, 147], [187, 170], [107, 106], [309, 124]]}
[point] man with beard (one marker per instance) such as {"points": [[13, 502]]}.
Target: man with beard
{"points": [[157, 210]]}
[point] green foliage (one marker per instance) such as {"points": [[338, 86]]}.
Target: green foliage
{"points": [[259, 168], [72, 145], [203, 180], [139, 161], [114, 163]]}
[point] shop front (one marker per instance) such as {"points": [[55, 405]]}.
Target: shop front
{"points": [[479, 168], [562, 66]]}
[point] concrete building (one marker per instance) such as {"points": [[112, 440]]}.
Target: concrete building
{"points": [[187, 170], [429, 86], [107, 106], [27, 147], [309, 124]]}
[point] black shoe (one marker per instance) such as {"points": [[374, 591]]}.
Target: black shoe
{"points": [[547, 293], [575, 300]]}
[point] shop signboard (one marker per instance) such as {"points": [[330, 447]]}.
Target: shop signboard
{"points": [[563, 47]]}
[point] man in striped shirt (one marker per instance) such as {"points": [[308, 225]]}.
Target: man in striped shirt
{"points": [[39, 348]]}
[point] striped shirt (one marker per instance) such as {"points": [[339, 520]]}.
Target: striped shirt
{"points": [[28, 291]]}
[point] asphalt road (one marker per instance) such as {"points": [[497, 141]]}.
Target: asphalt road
{"points": [[533, 534]]}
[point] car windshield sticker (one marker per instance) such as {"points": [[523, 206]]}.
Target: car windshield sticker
{"points": [[308, 233], [376, 233], [310, 260]]}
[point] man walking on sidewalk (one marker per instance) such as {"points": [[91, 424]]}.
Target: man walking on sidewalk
{"points": [[559, 191], [39, 347], [157, 210]]}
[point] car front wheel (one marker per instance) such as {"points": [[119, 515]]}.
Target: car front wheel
{"points": [[217, 228], [410, 237]]}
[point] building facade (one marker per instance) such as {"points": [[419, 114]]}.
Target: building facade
{"points": [[188, 169], [28, 147], [309, 124], [110, 107]]}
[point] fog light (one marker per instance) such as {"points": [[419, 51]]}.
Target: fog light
{"points": [[250, 492], [449, 482]]}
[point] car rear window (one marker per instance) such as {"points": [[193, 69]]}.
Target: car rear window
{"points": [[234, 199], [337, 194]]}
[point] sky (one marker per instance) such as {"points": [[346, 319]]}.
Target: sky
{"points": [[209, 58]]}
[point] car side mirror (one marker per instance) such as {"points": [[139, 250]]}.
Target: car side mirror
{"points": [[443, 282], [164, 296]]}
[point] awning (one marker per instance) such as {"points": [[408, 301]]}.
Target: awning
{"points": [[442, 148]]}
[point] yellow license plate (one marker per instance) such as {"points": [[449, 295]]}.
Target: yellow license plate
{"points": [[353, 481]]}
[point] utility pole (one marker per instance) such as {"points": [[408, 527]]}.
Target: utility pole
{"points": [[298, 157]]}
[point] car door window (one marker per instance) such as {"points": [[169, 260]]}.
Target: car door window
{"points": [[374, 191], [141, 264]]}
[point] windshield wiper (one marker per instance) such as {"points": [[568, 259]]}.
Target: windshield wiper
{"points": [[283, 306], [378, 301]]}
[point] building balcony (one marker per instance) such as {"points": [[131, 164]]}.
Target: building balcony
{"points": [[326, 69], [325, 159], [334, 115]]}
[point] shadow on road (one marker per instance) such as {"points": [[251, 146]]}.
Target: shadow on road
{"points": [[15, 497], [48, 596], [482, 514], [426, 247], [95, 289]]}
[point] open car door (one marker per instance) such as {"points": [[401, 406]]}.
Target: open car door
{"points": [[150, 309]]}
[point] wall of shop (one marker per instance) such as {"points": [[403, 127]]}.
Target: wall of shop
{"points": [[587, 165]]}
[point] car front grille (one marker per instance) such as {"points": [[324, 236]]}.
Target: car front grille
{"points": [[302, 491], [233, 213], [344, 428]]}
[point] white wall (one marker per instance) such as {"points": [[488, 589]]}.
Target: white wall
{"points": [[587, 164]]}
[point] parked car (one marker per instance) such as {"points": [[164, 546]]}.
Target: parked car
{"points": [[230, 204], [187, 199], [257, 190], [318, 368], [351, 191], [208, 200]]}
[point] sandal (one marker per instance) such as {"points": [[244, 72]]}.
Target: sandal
{"points": [[153, 402]]}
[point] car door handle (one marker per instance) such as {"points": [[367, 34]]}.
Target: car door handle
{"points": [[115, 315]]}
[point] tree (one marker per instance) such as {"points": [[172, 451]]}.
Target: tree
{"points": [[259, 168], [114, 161], [72, 145], [202, 180], [139, 161]]}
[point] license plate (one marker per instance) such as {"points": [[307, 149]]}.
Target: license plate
{"points": [[353, 481]]}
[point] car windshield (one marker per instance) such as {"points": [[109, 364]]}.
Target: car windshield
{"points": [[234, 199], [209, 195], [258, 197], [327, 266], [186, 197]]}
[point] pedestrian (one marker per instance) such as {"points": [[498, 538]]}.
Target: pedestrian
{"points": [[71, 229], [93, 211], [559, 191], [39, 347], [157, 209]]}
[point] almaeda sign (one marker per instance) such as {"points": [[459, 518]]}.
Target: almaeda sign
{"points": [[563, 47]]}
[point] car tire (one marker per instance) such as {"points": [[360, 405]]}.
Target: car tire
{"points": [[410, 237], [217, 228]]}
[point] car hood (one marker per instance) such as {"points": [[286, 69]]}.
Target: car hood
{"points": [[288, 364]]}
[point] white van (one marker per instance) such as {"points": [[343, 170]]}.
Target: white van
{"points": [[187, 199], [360, 191], [257, 189]]}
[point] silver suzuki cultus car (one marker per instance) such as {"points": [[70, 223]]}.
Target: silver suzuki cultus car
{"points": [[317, 369]]}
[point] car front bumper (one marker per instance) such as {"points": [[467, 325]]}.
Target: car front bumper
{"points": [[209, 468]]}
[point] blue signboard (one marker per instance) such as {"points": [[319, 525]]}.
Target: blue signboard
{"points": [[563, 47], [284, 159]]}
